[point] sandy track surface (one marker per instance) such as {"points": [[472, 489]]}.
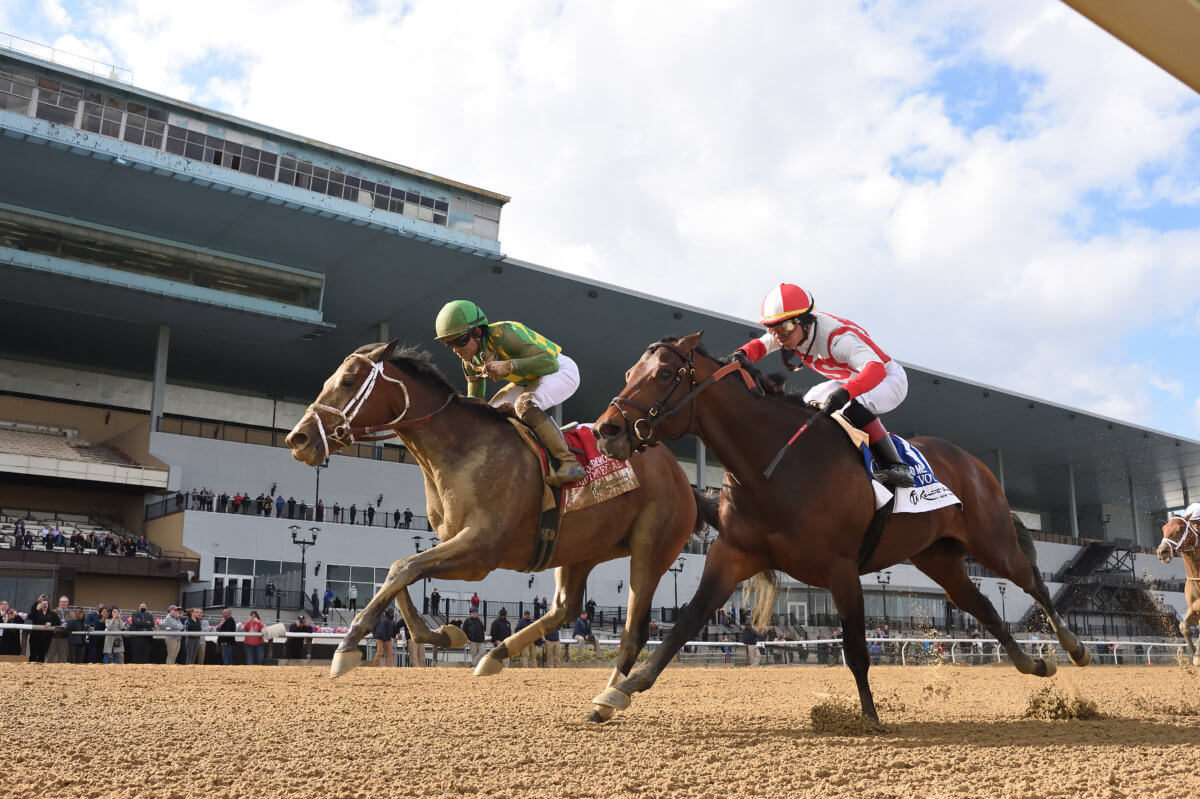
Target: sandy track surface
{"points": [[260, 731]]}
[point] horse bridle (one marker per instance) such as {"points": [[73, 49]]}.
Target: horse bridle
{"points": [[1189, 529], [642, 428], [342, 433]]}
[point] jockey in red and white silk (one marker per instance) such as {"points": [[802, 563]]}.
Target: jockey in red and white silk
{"points": [[864, 380]]}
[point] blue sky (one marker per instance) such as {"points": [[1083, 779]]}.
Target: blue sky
{"points": [[1007, 175]]}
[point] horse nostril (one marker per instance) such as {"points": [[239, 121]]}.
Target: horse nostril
{"points": [[296, 440], [608, 430]]}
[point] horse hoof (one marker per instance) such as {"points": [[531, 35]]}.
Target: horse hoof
{"points": [[601, 714], [612, 697], [1045, 668], [1196, 660], [344, 662], [488, 666], [1083, 659], [458, 639]]}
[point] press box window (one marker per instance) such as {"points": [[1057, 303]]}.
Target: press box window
{"points": [[16, 91], [57, 102]]}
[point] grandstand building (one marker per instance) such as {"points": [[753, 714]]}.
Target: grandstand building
{"points": [[178, 282]]}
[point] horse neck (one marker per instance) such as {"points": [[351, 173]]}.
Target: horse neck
{"points": [[745, 431], [444, 438], [1191, 561]]}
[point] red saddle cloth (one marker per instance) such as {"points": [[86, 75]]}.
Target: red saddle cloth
{"points": [[606, 477]]}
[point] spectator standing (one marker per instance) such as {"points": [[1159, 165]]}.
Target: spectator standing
{"points": [[591, 609], [291, 507], [475, 601], [385, 633], [10, 640], [396, 518], [114, 645], [526, 653], [582, 632], [337, 513], [77, 637], [316, 603], [173, 623], [435, 602], [139, 645], [408, 516], [298, 648], [193, 645], [302, 509], [279, 503], [328, 599], [750, 639], [95, 621], [254, 644], [353, 512], [45, 620], [59, 651], [320, 511], [352, 595], [473, 628], [370, 514], [501, 629], [227, 625], [553, 648]]}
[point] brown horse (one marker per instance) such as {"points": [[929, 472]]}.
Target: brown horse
{"points": [[810, 517], [1182, 537], [484, 492]]}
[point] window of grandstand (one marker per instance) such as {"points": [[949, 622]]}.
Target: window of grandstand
{"points": [[55, 101]]}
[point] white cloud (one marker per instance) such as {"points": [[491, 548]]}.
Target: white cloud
{"points": [[751, 143]]}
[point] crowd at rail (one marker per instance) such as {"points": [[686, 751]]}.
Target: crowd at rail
{"points": [[270, 504]]}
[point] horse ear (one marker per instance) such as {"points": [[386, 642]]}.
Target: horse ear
{"points": [[688, 343], [385, 351]]}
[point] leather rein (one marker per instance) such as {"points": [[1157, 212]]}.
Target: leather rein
{"points": [[641, 429], [343, 434]]}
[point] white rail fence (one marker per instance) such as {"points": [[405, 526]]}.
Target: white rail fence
{"points": [[962, 650]]}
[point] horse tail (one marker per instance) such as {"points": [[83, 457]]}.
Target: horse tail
{"points": [[707, 503], [1025, 542], [764, 586]]}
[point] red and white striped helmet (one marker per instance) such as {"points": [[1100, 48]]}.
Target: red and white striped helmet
{"points": [[784, 302]]}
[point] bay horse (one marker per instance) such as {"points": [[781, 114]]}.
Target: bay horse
{"points": [[810, 517], [1181, 537], [484, 491]]}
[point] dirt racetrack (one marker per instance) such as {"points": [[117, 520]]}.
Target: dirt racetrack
{"points": [[259, 731]]}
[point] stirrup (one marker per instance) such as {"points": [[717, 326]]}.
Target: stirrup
{"points": [[567, 472]]}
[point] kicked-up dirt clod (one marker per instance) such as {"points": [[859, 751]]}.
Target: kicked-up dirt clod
{"points": [[213, 731]]}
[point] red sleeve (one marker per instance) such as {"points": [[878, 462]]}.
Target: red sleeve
{"points": [[754, 349], [871, 376]]}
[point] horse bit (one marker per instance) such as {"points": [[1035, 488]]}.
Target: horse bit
{"points": [[343, 434], [643, 427]]}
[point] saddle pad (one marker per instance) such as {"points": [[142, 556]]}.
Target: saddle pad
{"points": [[606, 477], [928, 493]]}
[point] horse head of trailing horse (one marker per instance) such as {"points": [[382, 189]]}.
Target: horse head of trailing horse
{"points": [[1178, 535], [368, 398], [658, 401]]}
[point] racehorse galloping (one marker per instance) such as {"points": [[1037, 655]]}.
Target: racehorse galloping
{"points": [[1181, 536], [810, 517], [484, 492]]}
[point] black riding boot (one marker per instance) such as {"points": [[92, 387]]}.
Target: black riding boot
{"points": [[889, 469]]}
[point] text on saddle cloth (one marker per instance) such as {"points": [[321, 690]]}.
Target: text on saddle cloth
{"points": [[928, 492]]}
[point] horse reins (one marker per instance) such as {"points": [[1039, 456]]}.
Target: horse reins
{"points": [[343, 434], [642, 428]]}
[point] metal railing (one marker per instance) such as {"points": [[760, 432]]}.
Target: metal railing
{"points": [[74, 61], [307, 513]]}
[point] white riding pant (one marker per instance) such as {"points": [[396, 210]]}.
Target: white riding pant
{"points": [[548, 390], [885, 397]]}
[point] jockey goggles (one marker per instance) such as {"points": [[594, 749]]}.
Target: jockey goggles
{"points": [[786, 326], [461, 341]]}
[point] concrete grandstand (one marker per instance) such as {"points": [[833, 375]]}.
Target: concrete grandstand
{"points": [[179, 282]]}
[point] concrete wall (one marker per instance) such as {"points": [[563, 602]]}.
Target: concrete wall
{"points": [[224, 535], [20, 493], [232, 467]]}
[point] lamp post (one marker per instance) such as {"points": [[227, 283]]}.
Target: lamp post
{"points": [[675, 571], [323, 465], [424, 581], [1003, 612], [883, 578], [304, 544]]}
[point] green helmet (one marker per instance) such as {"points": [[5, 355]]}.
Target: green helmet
{"points": [[458, 317]]}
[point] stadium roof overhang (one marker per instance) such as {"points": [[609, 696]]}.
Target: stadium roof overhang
{"points": [[1165, 31]]}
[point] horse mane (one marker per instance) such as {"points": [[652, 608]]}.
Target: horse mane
{"points": [[413, 360], [785, 395]]}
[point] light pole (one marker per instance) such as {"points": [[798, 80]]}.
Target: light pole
{"points": [[424, 581], [1003, 612], [675, 571], [883, 578], [304, 544], [316, 501]]}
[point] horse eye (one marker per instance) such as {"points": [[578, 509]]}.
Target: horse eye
{"points": [[664, 374], [348, 381]]}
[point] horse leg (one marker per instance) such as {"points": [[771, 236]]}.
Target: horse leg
{"points": [[459, 554], [568, 599], [944, 563], [848, 598], [724, 568], [1185, 627]]}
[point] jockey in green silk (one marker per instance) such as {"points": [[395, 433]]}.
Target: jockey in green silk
{"points": [[539, 375]]}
